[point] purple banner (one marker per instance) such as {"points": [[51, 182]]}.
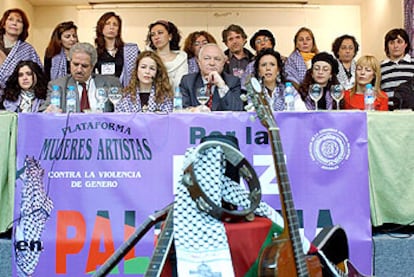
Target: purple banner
{"points": [[106, 173]]}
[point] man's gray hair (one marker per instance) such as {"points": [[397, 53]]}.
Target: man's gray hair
{"points": [[84, 47], [210, 45]]}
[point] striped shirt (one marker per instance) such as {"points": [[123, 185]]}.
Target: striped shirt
{"points": [[395, 73]]}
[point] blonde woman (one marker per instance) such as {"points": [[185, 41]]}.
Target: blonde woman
{"points": [[367, 72], [149, 88]]}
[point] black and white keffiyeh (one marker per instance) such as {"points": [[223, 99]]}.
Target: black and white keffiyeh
{"points": [[35, 209], [200, 239]]}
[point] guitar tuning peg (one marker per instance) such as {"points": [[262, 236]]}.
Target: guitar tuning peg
{"points": [[252, 118], [249, 107]]}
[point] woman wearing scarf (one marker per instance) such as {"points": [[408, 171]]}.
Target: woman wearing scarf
{"points": [[300, 59], [115, 57], [56, 60], [14, 27], [25, 89]]}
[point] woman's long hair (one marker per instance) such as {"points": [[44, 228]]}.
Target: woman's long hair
{"points": [[100, 39], [163, 88], [191, 38], [39, 87], [171, 29], [309, 31], [55, 44], [25, 32]]}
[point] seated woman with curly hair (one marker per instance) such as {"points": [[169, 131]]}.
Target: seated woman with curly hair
{"points": [[149, 89], [25, 89]]}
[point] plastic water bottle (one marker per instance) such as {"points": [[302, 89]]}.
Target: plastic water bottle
{"points": [[71, 99], [178, 100], [289, 97], [55, 96], [369, 97]]}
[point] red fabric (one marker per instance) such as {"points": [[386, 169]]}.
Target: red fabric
{"points": [[356, 102], [84, 105], [245, 240]]}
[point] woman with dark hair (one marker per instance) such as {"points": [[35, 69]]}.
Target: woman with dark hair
{"points": [[14, 27], [322, 72], [345, 49], [26, 88], [268, 67], [192, 46], [163, 37], [115, 57], [56, 61], [300, 60], [398, 68], [149, 89]]}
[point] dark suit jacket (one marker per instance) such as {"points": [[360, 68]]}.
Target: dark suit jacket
{"points": [[230, 102], [64, 82]]}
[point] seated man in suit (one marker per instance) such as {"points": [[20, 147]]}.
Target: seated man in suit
{"points": [[83, 58], [225, 88]]}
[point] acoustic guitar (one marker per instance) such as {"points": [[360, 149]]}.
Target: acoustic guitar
{"points": [[284, 256]]}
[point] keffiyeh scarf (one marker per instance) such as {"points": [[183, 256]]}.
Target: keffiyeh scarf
{"points": [[200, 240], [35, 209]]}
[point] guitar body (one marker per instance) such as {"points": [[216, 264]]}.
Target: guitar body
{"points": [[284, 256], [277, 259]]}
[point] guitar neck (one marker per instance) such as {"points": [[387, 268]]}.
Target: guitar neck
{"points": [[162, 248], [117, 256], [288, 208]]}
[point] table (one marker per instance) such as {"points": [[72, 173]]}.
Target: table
{"points": [[391, 167]]}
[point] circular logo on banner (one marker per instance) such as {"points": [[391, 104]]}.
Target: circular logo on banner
{"points": [[329, 148]]}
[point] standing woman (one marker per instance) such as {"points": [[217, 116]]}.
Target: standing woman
{"points": [[300, 59], [115, 57], [345, 49], [25, 89], [56, 61], [149, 89], [322, 72], [192, 46], [14, 27], [368, 71], [163, 37], [268, 66]]}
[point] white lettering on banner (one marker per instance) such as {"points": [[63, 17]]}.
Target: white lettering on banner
{"points": [[119, 174], [101, 184], [268, 175], [265, 178], [64, 174]]}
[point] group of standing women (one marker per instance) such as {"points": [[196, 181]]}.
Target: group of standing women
{"points": [[149, 77]]}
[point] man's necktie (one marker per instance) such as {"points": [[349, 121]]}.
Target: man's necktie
{"points": [[210, 92], [84, 104]]}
